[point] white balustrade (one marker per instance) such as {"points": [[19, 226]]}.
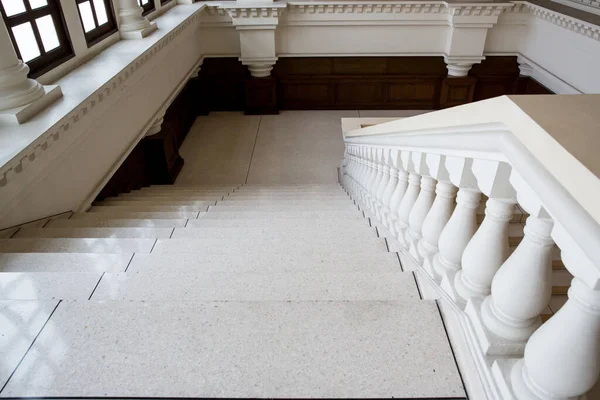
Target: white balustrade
{"points": [[410, 182]]}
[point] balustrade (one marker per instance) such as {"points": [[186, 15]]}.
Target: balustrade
{"points": [[413, 194]]}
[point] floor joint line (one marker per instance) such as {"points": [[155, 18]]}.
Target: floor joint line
{"points": [[129, 263], [253, 148], [30, 346], [97, 283]]}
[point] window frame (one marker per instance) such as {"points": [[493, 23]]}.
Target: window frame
{"points": [[163, 2], [148, 8], [99, 33], [46, 61]]}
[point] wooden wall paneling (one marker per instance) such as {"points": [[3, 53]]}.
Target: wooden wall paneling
{"points": [[261, 96], [457, 91], [221, 84], [495, 76]]}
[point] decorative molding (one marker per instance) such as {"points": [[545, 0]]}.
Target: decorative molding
{"points": [[435, 7], [19, 163], [564, 21], [255, 12], [478, 10]]}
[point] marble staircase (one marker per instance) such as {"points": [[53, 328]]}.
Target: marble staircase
{"points": [[232, 291]]}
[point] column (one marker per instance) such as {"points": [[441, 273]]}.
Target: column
{"points": [[486, 251], [522, 287], [132, 25], [561, 358]]}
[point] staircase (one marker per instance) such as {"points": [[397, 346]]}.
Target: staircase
{"points": [[251, 291]]}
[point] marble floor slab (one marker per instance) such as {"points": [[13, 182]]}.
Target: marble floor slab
{"points": [[199, 285], [47, 285], [64, 262], [137, 215], [275, 233], [42, 245], [20, 322], [315, 203], [94, 233], [240, 349], [263, 262], [284, 208], [177, 199], [118, 223], [311, 214], [258, 244], [220, 145], [161, 208], [154, 202], [279, 223]]}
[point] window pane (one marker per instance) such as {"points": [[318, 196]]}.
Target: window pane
{"points": [[47, 32], [144, 2], [26, 41], [37, 3], [85, 9], [100, 12], [13, 7]]}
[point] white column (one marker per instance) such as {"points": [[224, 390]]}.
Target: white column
{"points": [[561, 360], [486, 251], [457, 233], [418, 214], [406, 205], [438, 217], [15, 88], [132, 25], [522, 287]]}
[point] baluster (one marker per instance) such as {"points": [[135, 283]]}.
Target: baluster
{"points": [[422, 205], [488, 249], [372, 193], [370, 175], [390, 189], [561, 360], [520, 290], [398, 195], [409, 199], [382, 186], [440, 211], [462, 224]]}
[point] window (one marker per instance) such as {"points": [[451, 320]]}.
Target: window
{"points": [[163, 2], [38, 32], [147, 5], [97, 18]]}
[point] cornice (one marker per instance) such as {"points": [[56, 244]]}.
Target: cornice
{"points": [[255, 12], [564, 21], [478, 10], [434, 7], [66, 125]]}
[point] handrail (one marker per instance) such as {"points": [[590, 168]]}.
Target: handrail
{"points": [[515, 150]]}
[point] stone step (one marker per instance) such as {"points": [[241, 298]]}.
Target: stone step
{"points": [[275, 233], [127, 197], [133, 208], [268, 215], [64, 262], [47, 285], [233, 202], [89, 245], [241, 349], [117, 223], [168, 285], [288, 196], [330, 260], [191, 187], [153, 233], [154, 202], [259, 207], [117, 214], [282, 223], [269, 245]]}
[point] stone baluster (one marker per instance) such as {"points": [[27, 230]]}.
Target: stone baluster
{"points": [[382, 185], [462, 224], [132, 24], [398, 195], [409, 199], [562, 357], [422, 205], [521, 288], [391, 187], [372, 192], [370, 174], [488, 249], [440, 211]]}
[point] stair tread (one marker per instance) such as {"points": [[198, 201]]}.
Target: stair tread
{"points": [[48, 285], [282, 214], [90, 245], [283, 223], [283, 261], [149, 208], [118, 223], [242, 349], [64, 262], [94, 233], [197, 285], [249, 245], [116, 214], [289, 233]]}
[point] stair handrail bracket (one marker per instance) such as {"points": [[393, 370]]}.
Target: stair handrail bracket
{"points": [[451, 185]]}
